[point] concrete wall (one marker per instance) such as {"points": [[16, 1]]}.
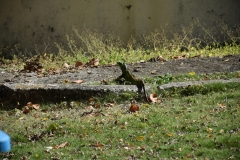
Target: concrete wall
{"points": [[30, 22]]}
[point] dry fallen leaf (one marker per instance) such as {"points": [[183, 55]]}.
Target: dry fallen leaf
{"points": [[67, 81], [36, 115], [153, 98], [61, 145], [153, 71], [109, 104], [97, 105], [97, 144], [169, 134], [31, 106], [90, 99], [221, 131], [66, 65], [26, 110], [140, 138], [78, 63], [222, 106], [96, 62], [78, 81], [127, 148], [178, 57], [209, 130], [134, 108], [36, 106], [93, 62], [89, 108], [21, 118], [48, 148]]}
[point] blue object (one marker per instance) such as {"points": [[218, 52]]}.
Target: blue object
{"points": [[5, 145]]}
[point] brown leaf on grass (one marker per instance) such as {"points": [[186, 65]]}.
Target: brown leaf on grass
{"points": [[222, 106], [169, 134], [134, 108], [97, 144], [78, 81], [36, 115], [178, 57], [90, 107], [26, 110], [29, 104], [189, 155], [57, 71], [153, 98], [21, 118], [157, 59], [93, 62], [90, 99], [140, 138], [66, 65], [78, 63], [109, 104], [36, 106], [97, 105], [33, 106], [61, 145]]}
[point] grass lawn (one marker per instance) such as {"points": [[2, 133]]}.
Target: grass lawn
{"points": [[204, 125]]}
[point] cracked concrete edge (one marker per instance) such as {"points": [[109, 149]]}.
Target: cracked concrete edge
{"points": [[192, 83], [17, 95], [100, 88]]}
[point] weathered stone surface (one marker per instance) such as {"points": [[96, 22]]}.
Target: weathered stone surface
{"points": [[205, 65], [192, 83]]}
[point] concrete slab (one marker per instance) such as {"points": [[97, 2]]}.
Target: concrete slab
{"points": [[17, 95], [194, 83]]}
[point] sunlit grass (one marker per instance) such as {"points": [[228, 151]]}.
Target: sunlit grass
{"points": [[185, 127]]}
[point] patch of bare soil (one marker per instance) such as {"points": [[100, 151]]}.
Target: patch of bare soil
{"points": [[199, 65]]}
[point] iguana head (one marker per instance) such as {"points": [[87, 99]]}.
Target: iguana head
{"points": [[122, 65]]}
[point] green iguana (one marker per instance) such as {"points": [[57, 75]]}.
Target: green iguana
{"points": [[129, 77]]}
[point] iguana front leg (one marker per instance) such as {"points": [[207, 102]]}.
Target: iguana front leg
{"points": [[141, 87]]}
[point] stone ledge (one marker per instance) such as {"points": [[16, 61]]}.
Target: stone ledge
{"points": [[16, 95], [192, 83]]}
